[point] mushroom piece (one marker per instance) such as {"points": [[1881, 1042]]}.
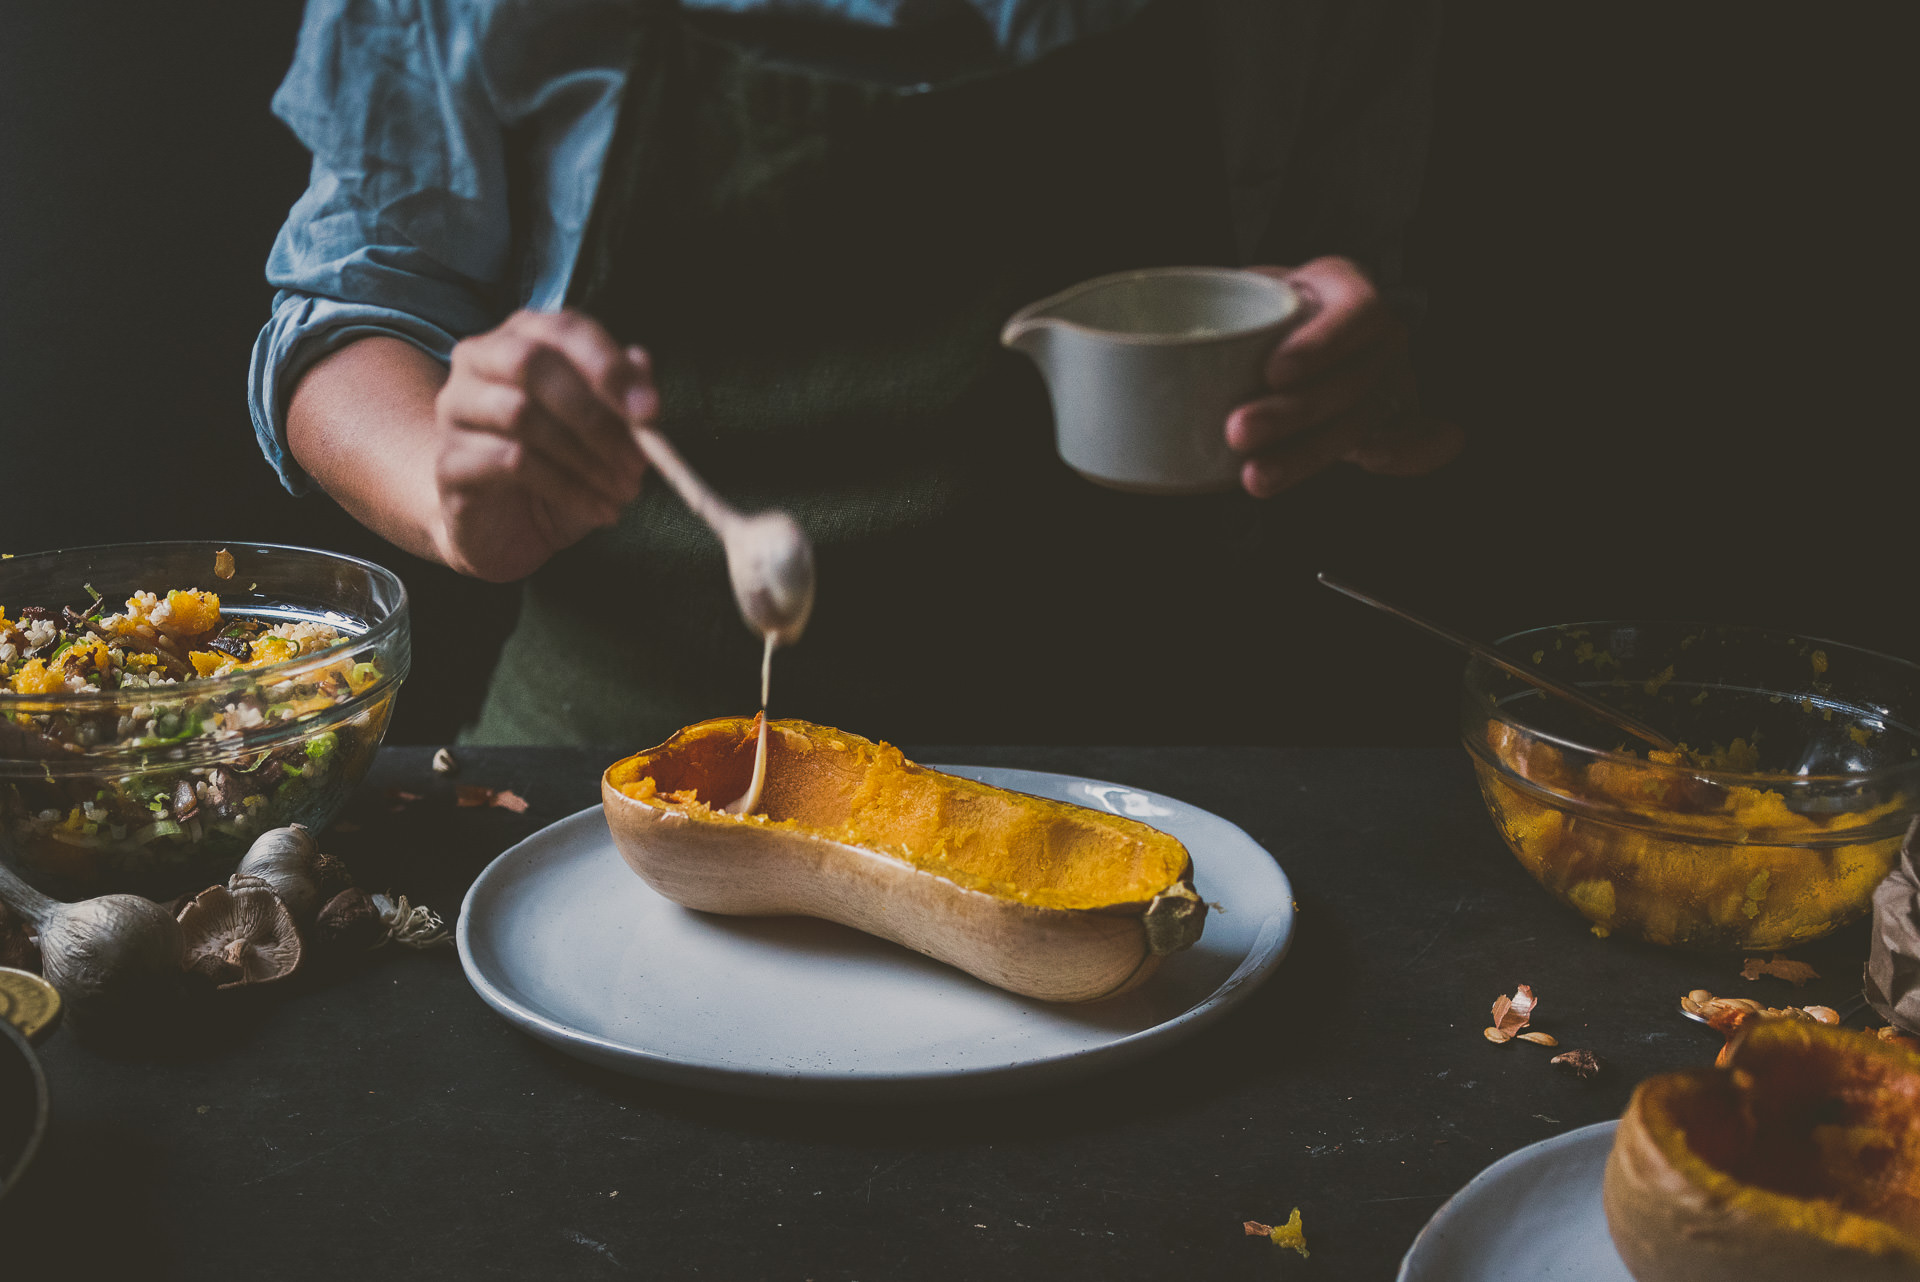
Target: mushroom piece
{"points": [[186, 803], [239, 934]]}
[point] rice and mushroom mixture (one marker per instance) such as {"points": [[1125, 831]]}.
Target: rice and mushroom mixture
{"points": [[153, 641], [75, 827]]}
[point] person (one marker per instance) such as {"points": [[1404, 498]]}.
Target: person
{"points": [[787, 235]]}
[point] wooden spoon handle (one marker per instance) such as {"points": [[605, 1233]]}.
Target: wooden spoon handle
{"points": [[686, 482]]}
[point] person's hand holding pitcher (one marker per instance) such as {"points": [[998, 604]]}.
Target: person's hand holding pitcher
{"points": [[1340, 390]]}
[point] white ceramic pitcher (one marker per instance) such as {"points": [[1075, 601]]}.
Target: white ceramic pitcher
{"points": [[1143, 367]]}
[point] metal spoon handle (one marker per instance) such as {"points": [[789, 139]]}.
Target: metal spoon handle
{"points": [[1579, 698]]}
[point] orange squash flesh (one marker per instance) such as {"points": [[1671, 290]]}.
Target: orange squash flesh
{"points": [[1802, 1159], [1030, 849], [1049, 900]]}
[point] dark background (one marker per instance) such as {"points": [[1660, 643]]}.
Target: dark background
{"points": [[1669, 249]]}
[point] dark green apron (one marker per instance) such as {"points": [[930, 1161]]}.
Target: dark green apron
{"points": [[820, 264]]}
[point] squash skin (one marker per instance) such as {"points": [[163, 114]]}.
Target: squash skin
{"points": [[1676, 1218], [741, 866]]}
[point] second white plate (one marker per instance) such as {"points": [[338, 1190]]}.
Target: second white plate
{"points": [[1533, 1216], [565, 942]]}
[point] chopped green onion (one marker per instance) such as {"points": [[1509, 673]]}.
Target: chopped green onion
{"points": [[186, 727]]}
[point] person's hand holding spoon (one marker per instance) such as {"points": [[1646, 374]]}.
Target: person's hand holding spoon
{"points": [[536, 433]]}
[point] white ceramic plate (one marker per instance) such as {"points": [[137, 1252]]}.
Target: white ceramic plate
{"points": [[562, 939], [1533, 1216]]}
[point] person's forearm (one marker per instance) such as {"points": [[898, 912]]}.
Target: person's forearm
{"points": [[362, 424], [523, 447]]}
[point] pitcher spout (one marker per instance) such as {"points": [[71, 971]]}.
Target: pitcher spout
{"points": [[1029, 331]]}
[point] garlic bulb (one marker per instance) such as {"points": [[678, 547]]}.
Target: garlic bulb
{"points": [[117, 951], [350, 923], [285, 858]]}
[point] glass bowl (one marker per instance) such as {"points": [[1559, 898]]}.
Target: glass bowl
{"points": [[1800, 774], [159, 790]]}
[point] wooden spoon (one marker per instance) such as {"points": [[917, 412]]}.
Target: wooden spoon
{"points": [[770, 562], [769, 558]]}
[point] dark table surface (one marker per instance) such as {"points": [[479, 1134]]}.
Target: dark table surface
{"points": [[383, 1123]]}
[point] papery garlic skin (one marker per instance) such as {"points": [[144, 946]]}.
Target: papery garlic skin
{"points": [[115, 951], [285, 859], [104, 951]]}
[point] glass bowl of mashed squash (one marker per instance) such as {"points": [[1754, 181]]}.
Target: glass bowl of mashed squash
{"points": [[1798, 774], [162, 704]]}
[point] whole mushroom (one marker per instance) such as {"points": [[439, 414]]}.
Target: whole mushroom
{"points": [[240, 933]]}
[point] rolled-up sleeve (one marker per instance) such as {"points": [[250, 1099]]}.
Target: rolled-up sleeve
{"points": [[404, 226]]}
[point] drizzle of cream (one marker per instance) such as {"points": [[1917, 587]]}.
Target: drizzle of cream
{"points": [[750, 802]]}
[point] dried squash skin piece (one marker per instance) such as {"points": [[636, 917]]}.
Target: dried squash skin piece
{"points": [[1039, 897], [1799, 1161]]}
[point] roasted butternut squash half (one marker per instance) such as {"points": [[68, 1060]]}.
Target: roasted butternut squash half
{"points": [[1039, 897], [1799, 1161]]}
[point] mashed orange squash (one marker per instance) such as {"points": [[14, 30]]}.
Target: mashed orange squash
{"points": [[1675, 858]]}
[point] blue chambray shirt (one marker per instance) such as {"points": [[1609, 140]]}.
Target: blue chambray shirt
{"points": [[407, 107]]}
